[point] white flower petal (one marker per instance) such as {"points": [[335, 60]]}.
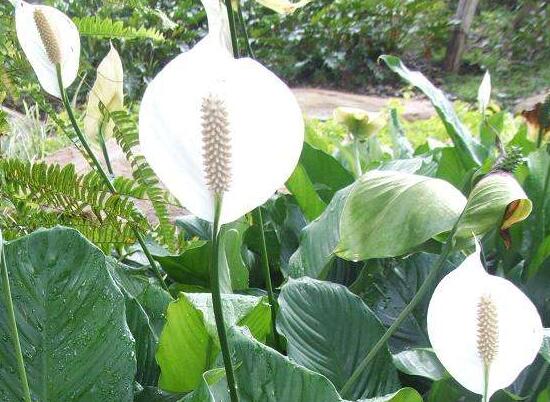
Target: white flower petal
{"points": [[68, 40], [265, 124], [484, 92], [108, 89], [453, 326]]}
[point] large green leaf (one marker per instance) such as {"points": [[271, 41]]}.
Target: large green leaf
{"points": [[390, 213], [330, 330], [276, 378], [387, 286], [185, 349], [421, 362], [471, 152], [545, 348], [318, 240], [301, 186], [73, 331], [191, 266], [146, 303], [189, 344], [325, 172]]}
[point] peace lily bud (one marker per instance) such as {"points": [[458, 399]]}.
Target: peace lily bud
{"points": [[212, 126], [108, 89], [484, 92], [483, 329], [497, 201], [48, 38], [360, 123]]}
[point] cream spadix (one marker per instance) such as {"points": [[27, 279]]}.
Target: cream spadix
{"points": [[483, 329], [48, 37], [212, 125]]}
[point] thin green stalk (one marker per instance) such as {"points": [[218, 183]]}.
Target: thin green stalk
{"points": [[426, 285], [102, 172], [104, 147], [245, 32], [484, 397], [539, 138], [231, 18], [13, 325], [357, 155], [267, 274], [217, 302]]}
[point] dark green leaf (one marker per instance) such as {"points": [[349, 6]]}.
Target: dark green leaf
{"points": [[329, 330], [74, 336]]}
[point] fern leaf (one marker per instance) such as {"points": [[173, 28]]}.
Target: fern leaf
{"points": [[107, 28]]}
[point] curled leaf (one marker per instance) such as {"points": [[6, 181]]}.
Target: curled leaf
{"points": [[108, 91], [497, 201]]}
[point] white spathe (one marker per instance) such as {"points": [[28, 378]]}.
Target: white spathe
{"points": [[265, 123], [453, 326], [484, 92], [108, 89], [67, 38]]}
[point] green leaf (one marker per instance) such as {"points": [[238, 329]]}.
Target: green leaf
{"points": [[420, 362], [189, 344], [73, 331], [233, 270], [301, 186], [329, 330], [185, 349], [496, 202], [545, 348], [325, 172], [401, 146], [318, 240], [146, 304], [471, 152], [191, 266], [403, 395], [107, 28], [389, 213]]}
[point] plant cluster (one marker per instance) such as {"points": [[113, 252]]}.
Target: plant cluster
{"points": [[385, 270]]}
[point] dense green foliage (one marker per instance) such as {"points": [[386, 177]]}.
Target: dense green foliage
{"points": [[365, 227]]}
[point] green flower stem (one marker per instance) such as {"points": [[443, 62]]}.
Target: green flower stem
{"points": [[539, 137], [231, 18], [102, 172], [13, 325], [426, 285], [245, 32], [217, 301], [267, 274], [104, 148], [357, 156], [484, 397]]}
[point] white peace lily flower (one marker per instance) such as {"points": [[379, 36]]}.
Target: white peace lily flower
{"points": [[484, 92], [483, 329], [48, 37], [108, 89], [211, 125]]}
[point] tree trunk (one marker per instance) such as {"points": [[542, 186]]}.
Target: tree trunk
{"points": [[465, 14]]}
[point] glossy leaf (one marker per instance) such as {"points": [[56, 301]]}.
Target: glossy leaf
{"points": [[329, 330], [73, 331], [419, 362], [471, 151], [389, 213], [301, 186]]}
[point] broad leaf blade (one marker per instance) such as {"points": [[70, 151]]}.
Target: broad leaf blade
{"points": [[471, 151], [73, 330], [329, 330]]}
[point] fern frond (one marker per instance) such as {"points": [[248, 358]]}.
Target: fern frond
{"points": [[107, 28], [126, 134], [58, 195]]}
